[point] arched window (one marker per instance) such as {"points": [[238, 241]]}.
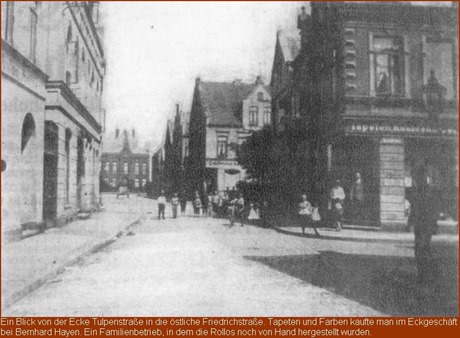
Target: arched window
{"points": [[68, 37], [28, 130]]}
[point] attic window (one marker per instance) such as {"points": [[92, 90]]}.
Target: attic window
{"points": [[260, 96]]}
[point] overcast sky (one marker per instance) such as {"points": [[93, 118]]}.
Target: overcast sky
{"points": [[156, 50]]}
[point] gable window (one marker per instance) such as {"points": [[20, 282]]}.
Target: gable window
{"points": [[222, 147], [260, 96], [267, 116], [253, 116], [387, 65]]}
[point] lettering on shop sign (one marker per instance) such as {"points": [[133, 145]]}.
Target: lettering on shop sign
{"points": [[216, 163], [364, 128]]}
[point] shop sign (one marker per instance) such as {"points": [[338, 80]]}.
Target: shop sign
{"points": [[397, 129], [221, 163]]}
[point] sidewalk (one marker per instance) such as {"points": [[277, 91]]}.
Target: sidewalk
{"points": [[29, 263]]}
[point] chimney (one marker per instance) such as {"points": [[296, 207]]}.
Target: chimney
{"points": [[133, 132], [237, 82], [259, 80], [303, 19], [197, 81], [117, 132], [177, 109]]}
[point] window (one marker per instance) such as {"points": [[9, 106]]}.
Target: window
{"points": [[114, 167], [144, 182], [136, 168], [125, 168], [387, 62], [439, 62], [106, 167], [144, 168], [106, 180], [114, 182], [136, 183], [33, 34], [68, 136], [8, 20], [260, 96], [28, 130], [253, 116], [267, 116], [222, 146]]}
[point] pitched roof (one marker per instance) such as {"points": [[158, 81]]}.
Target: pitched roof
{"points": [[114, 144], [290, 43], [223, 101]]}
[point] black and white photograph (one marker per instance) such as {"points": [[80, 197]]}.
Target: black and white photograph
{"points": [[268, 159]]}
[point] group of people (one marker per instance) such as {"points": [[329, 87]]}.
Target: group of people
{"points": [[225, 204]]}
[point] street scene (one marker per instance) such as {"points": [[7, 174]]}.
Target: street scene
{"points": [[229, 159]]}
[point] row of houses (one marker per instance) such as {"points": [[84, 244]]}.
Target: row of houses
{"points": [[53, 68], [372, 88]]}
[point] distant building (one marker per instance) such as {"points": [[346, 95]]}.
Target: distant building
{"points": [[123, 160], [379, 83], [53, 68], [223, 115]]}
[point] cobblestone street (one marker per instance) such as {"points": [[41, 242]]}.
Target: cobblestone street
{"points": [[195, 266]]}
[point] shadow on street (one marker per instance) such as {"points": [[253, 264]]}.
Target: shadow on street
{"points": [[385, 283]]}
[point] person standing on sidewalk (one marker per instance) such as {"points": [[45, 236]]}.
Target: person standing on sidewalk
{"points": [[337, 199], [175, 204], [161, 205], [425, 212], [197, 205], [183, 202], [357, 198], [304, 212]]}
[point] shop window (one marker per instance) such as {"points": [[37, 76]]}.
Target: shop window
{"points": [[28, 131], [253, 116], [222, 147], [387, 62]]}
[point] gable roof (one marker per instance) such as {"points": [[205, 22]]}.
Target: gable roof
{"points": [[223, 101], [289, 41]]}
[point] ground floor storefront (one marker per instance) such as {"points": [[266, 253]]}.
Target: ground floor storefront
{"points": [[223, 175], [383, 164]]}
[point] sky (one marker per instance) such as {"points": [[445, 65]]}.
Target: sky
{"points": [[155, 50]]}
